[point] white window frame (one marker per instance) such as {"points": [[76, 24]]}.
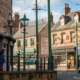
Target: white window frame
{"points": [[76, 18], [62, 21], [54, 39]]}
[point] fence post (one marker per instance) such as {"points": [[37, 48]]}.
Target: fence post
{"points": [[36, 62], [52, 58], [19, 61], [48, 63], [44, 64]]}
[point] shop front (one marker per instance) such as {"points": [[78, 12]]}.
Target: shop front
{"points": [[64, 58]]}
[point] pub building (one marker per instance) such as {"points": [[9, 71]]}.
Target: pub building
{"points": [[63, 36], [6, 38]]}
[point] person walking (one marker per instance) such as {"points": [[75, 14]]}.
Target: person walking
{"points": [[2, 60]]}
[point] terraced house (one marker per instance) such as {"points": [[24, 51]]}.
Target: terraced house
{"points": [[63, 35]]}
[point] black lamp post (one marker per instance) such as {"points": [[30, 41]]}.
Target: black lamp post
{"points": [[24, 22]]}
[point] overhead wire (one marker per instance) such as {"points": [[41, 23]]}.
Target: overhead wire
{"points": [[45, 9], [73, 2], [40, 2]]}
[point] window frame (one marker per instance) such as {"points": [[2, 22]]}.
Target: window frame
{"points": [[63, 40], [71, 38], [62, 22], [32, 41], [76, 18], [55, 36]]}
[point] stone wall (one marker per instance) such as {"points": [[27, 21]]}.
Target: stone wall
{"points": [[31, 75]]}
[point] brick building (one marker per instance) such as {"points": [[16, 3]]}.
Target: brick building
{"points": [[30, 43], [63, 36], [6, 39]]}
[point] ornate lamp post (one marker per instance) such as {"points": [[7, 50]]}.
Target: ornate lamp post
{"points": [[24, 22]]}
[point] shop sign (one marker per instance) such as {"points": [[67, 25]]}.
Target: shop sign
{"points": [[63, 50]]}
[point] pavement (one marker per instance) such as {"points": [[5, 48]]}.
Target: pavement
{"points": [[68, 75]]}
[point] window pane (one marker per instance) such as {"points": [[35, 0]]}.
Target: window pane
{"points": [[63, 38], [72, 36], [32, 41], [54, 39], [28, 41]]}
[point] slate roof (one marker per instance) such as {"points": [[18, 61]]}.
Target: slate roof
{"points": [[31, 30], [69, 24]]}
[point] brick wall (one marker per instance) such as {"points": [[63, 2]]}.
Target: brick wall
{"points": [[5, 9]]}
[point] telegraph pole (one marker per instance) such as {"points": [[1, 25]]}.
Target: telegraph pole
{"points": [[36, 10], [49, 38]]}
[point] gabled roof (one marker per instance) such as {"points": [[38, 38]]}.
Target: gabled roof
{"points": [[31, 30], [68, 25]]}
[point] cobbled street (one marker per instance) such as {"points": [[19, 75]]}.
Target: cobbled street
{"points": [[68, 75]]}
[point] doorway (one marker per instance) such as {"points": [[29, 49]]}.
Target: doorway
{"points": [[70, 62]]}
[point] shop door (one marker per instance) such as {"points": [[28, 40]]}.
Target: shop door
{"points": [[70, 60]]}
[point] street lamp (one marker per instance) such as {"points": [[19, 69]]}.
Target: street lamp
{"points": [[24, 22]]}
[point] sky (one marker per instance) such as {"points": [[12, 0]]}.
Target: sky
{"points": [[56, 7]]}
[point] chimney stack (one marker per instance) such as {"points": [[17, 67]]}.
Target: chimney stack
{"points": [[66, 9], [51, 17], [16, 16]]}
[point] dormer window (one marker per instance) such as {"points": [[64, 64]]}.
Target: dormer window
{"points": [[76, 18], [62, 20]]}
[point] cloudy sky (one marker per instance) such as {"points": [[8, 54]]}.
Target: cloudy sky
{"points": [[26, 6]]}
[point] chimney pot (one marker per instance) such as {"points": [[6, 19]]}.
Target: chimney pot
{"points": [[66, 9], [51, 17]]}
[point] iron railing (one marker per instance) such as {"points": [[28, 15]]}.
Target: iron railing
{"points": [[15, 63]]}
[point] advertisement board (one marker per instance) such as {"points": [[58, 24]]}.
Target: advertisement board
{"points": [[44, 45]]}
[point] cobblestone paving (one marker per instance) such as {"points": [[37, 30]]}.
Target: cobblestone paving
{"points": [[68, 75]]}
